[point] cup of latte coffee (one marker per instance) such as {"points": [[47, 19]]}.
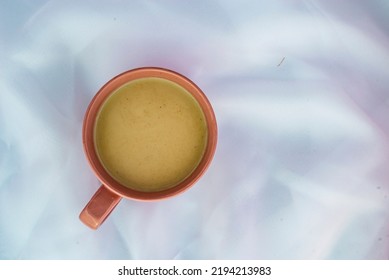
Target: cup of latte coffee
{"points": [[148, 134]]}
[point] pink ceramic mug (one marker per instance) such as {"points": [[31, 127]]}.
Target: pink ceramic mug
{"points": [[111, 191]]}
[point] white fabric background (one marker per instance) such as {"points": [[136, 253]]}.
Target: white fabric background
{"points": [[301, 168]]}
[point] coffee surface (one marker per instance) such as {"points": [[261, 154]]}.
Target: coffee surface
{"points": [[150, 134]]}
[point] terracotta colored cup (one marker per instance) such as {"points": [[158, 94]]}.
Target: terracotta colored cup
{"points": [[111, 191]]}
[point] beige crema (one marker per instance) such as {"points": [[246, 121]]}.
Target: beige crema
{"points": [[150, 134]]}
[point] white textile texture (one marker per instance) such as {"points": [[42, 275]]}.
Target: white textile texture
{"points": [[300, 90]]}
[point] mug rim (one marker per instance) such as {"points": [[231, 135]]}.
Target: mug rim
{"points": [[109, 88]]}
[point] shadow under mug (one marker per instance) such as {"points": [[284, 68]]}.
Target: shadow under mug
{"points": [[111, 192]]}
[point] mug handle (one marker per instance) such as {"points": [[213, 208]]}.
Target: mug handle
{"points": [[99, 207]]}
